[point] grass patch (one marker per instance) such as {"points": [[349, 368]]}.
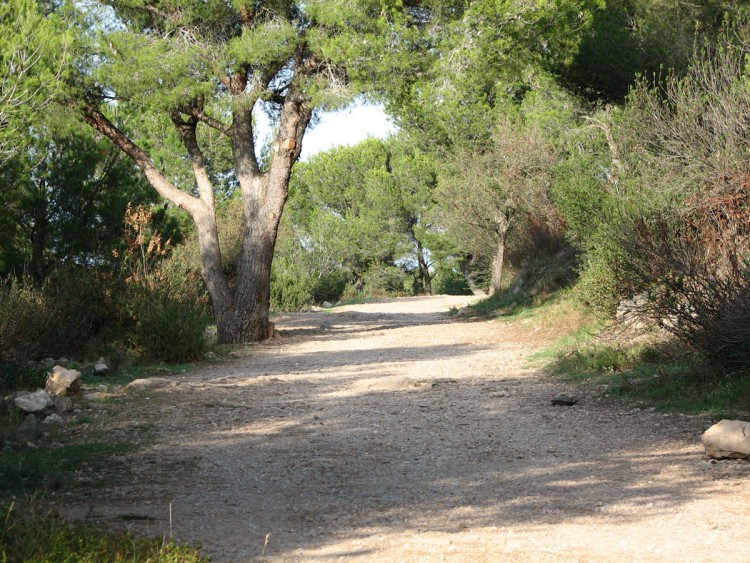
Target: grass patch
{"points": [[500, 304], [519, 306], [48, 468], [656, 375], [50, 538], [21, 375]]}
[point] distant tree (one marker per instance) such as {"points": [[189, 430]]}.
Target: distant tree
{"points": [[65, 200], [34, 51], [363, 206], [485, 194], [204, 67]]}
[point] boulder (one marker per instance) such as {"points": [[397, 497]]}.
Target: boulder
{"points": [[326, 304], [150, 383], [34, 402], [63, 381], [100, 367], [727, 439]]}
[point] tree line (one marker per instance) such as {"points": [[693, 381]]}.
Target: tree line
{"points": [[539, 145]]}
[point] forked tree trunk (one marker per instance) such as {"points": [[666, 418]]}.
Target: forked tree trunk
{"points": [[241, 312]]}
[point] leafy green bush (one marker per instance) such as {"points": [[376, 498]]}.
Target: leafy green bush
{"points": [[59, 316], [382, 280], [450, 282], [17, 375], [170, 325], [289, 293]]}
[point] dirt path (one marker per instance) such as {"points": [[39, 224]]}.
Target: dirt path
{"points": [[391, 432]]}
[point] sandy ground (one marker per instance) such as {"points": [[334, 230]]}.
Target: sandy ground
{"points": [[393, 432]]}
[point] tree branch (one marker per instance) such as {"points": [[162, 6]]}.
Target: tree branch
{"points": [[96, 119], [203, 117], [189, 139]]}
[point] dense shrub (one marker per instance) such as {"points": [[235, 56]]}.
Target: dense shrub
{"points": [[382, 280], [19, 374], [171, 314], [57, 317], [675, 222], [450, 282], [697, 273]]}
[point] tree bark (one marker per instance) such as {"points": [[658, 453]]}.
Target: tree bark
{"points": [[264, 196], [241, 315], [501, 234], [425, 279], [497, 267]]}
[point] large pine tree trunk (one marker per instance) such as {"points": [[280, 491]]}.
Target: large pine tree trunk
{"points": [[252, 294], [263, 195], [241, 311]]}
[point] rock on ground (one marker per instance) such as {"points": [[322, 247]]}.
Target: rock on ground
{"points": [[727, 439], [63, 381], [34, 402], [150, 383]]}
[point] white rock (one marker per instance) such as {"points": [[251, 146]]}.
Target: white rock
{"points": [[150, 383], [326, 304], [727, 438], [63, 381], [34, 402], [100, 367]]}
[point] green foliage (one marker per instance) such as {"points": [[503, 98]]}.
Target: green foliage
{"points": [[635, 37], [34, 51], [672, 219], [17, 375], [66, 198], [50, 538], [171, 316], [450, 282], [48, 468], [358, 215], [381, 280], [656, 375], [487, 196], [60, 316]]}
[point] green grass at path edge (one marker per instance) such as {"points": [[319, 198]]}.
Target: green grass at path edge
{"points": [[30, 471], [653, 375], [48, 538], [661, 375]]}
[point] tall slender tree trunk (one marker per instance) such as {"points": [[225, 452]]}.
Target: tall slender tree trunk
{"points": [[425, 279], [501, 235], [497, 267]]}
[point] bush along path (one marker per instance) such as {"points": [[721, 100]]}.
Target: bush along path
{"points": [[393, 431]]}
